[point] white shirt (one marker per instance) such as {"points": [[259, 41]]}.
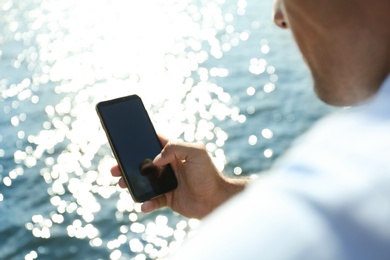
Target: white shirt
{"points": [[327, 198]]}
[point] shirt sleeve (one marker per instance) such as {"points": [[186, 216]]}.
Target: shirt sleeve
{"points": [[259, 225], [328, 198]]}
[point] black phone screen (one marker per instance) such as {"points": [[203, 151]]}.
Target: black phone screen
{"points": [[134, 142]]}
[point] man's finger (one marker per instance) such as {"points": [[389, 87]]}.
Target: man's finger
{"points": [[154, 204], [122, 183], [180, 151], [116, 171]]}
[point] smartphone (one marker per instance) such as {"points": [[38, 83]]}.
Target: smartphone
{"points": [[135, 144]]}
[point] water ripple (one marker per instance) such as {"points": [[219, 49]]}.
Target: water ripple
{"points": [[184, 58]]}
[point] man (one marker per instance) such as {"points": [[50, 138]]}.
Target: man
{"points": [[329, 196]]}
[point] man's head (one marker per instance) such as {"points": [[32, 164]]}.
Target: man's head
{"points": [[345, 43]]}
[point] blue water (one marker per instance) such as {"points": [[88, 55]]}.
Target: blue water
{"points": [[218, 72]]}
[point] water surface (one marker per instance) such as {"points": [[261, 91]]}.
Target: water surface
{"points": [[217, 72]]}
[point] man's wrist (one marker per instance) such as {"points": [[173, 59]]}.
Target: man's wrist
{"points": [[236, 185], [228, 187]]}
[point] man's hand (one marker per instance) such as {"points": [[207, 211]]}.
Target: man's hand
{"points": [[201, 187]]}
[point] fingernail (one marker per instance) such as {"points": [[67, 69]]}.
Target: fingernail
{"points": [[157, 158]]}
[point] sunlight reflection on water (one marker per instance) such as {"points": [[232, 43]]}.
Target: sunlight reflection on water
{"points": [[90, 51], [58, 59]]}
